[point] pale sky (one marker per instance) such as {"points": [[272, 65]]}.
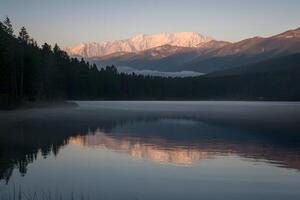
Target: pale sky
{"points": [[69, 22]]}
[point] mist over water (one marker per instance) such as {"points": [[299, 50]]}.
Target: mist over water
{"points": [[131, 150]]}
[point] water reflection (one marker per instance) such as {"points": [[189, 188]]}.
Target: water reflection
{"points": [[186, 141], [160, 135], [139, 149]]}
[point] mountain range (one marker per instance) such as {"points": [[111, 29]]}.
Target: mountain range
{"points": [[138, 43], [187, 51]]}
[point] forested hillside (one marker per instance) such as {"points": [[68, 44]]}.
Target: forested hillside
{"points": [[32, 73]]}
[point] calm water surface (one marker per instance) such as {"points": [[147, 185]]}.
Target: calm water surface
{"points": [[152, 150]]}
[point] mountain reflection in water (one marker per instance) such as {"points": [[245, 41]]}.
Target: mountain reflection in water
{"points": [[139, 149], [163, 135], [185, 142]]}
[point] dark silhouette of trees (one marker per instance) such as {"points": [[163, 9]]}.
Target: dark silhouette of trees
{"points": [[32, 73], [8, 26], [23, 35]]}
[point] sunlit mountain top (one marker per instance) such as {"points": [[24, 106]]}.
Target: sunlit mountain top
{"points": [[139, 43]]}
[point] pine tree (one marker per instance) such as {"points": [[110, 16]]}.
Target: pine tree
{"points": [[23, 35], [56, 49], [8, 26], [46, 48], [2, 26]]}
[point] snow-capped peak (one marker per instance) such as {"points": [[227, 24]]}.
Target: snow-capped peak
{"points": [[139, 43]]}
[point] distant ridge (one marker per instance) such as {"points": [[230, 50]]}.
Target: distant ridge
{"points": [[188, 51], [138, 43], [248, 51]]}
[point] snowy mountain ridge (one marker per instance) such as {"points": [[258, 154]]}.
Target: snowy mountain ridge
{"points": [[138, 43]]}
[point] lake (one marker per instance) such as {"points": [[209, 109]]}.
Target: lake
{"points": [[152, 150]]}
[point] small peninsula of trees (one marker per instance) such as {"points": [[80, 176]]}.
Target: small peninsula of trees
{"points": [[29, 72]]}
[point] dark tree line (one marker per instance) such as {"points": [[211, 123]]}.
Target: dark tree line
{"points": [[32, 73]]}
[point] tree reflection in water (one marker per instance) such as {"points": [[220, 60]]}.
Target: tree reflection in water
{"points": [[181, 138]]}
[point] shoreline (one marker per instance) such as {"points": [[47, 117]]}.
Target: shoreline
{"points": [[40, 105]]}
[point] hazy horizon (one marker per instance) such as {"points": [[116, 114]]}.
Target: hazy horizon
{"points": [[71, 22]]}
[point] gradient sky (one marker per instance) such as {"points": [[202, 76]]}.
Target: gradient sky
{"points": [[69, 22]]}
